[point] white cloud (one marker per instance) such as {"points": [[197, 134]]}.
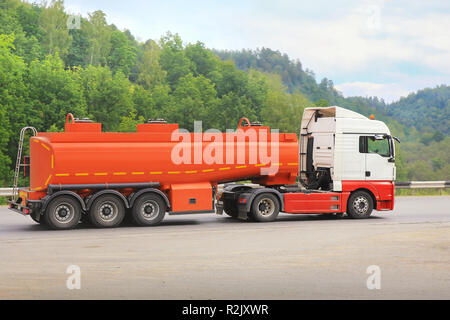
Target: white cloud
{"points": [[389, 91], [358, 40], [393, 91]]}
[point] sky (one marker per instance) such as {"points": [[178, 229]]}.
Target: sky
{"points": [[367, 48]]}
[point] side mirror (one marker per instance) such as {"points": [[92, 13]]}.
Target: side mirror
{"points": [[377, 137], [396, 139]]}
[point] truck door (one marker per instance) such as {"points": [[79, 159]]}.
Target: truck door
{"points": [[379, 157]]}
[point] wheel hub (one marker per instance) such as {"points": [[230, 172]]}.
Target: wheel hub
{"points": [[266, 207], [108, 211], [361, 205], [63, 213], [149, 210]]}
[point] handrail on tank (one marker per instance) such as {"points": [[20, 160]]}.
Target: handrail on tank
{"points": [[242, 119], [71, 117]]}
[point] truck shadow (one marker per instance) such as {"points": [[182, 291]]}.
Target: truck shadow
{"points": [[320, 217], [211, 219]]}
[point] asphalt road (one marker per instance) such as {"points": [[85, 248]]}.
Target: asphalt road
{"points": [[216, 257]]}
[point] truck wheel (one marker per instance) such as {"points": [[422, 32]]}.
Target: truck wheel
{"points": [[148, 210], [265, 208], [360, 205], [107, 211], [230, 209], [63, 212]]}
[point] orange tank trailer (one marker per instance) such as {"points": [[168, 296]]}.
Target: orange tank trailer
{"points": [[83, 159]]}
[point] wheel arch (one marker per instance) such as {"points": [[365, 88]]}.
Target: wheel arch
{"points": [[49, 198], [374, 200], [232, 187], [149, 190], [91, 199], [256, 192]]}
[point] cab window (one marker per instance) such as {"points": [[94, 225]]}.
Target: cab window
{"points": [[372, 145]]}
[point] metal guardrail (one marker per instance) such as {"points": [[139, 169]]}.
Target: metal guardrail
{"points": [[422, 184], [7, 192]]}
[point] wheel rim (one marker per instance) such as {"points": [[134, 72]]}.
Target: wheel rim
{"points": [[108, 211], [149, 210], [64, 212], [266, 207], [361, 205]]}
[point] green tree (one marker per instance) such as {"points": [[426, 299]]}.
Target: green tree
{"points": [[128, 123], [426, 138], [12, 101], [203, 60], [173, 58], [322, 103], [151, 73], [108, 96], [438, 136], [283, 111], [78, 54], [194, 99], [63, 93], [54, 25], [122, 55], [143, 103], [99, 38]]}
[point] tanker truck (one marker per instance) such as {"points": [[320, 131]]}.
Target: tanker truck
{"points": [[341, 162]]}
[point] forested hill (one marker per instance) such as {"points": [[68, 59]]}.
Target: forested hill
{"points": [[98, 71], [290, 71], [428, 110]]}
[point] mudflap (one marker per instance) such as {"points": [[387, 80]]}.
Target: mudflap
{"points": [[243, 214]]}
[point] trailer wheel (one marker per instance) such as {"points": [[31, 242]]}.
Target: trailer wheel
{"points": [[230, 208], [63, 212], [360, 205], [107, 211], [265, 208], [148, 210]]}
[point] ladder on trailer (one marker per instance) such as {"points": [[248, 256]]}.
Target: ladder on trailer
{"points": [[15, 192]]}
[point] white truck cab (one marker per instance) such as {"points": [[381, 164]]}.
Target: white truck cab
{"points": [[339, 145]]}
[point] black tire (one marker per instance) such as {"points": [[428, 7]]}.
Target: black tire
{"points": [[360, 205], [62, 213], [265, 208], [148, 210], [107, 211], [230, 208]]}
